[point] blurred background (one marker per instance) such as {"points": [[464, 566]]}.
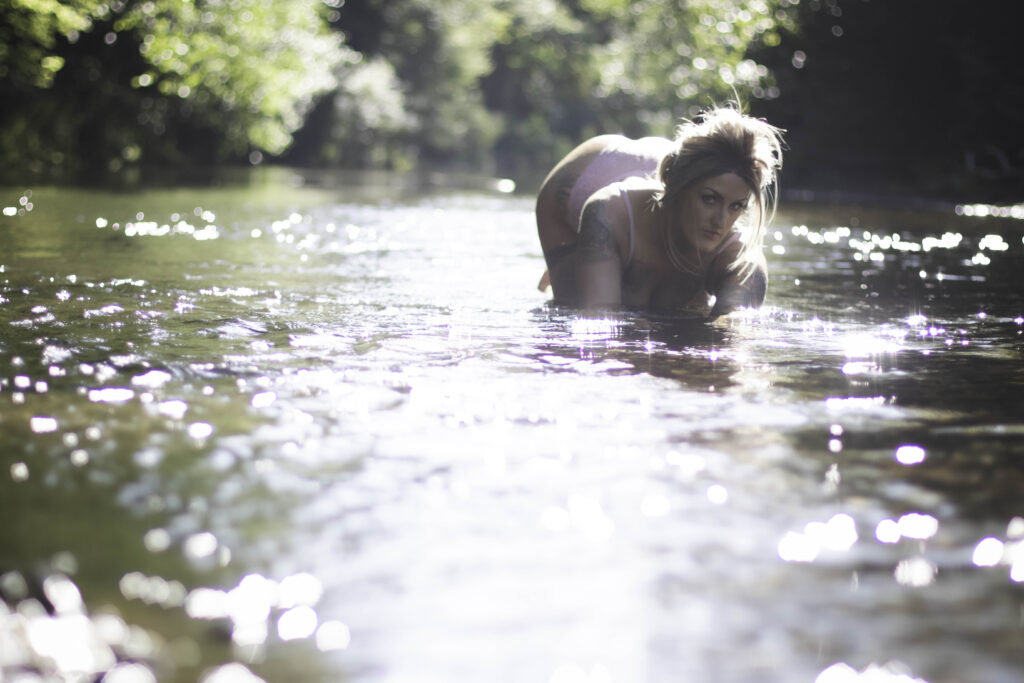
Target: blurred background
{"points": [[912, 99]]}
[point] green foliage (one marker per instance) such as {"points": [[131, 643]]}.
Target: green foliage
{"points": [[29, 31], [414, 97], [381, 83], [623, 66], [370, 119], [99, 84], [257, 63], [672, 57], [522, 81]]}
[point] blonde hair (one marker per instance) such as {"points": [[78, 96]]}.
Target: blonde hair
{"points": [[724, 140]]}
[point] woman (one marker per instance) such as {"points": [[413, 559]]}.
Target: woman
{"points": [[663, 224]]}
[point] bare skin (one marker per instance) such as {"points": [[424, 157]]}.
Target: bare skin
{"points": [[587, 263]]}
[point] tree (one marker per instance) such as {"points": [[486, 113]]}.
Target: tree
{"points": [[28, 36], [93, 84], [902, 98], [102, 83], [522, 81], [634, 67], [413, 94]]}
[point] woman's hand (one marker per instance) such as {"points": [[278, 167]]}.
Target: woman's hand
{"points": [[735, 292]]}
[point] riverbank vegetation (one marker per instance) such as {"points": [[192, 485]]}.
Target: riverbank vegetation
{"points": [[877, 97]]}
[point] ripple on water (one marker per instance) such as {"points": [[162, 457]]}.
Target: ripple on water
{"points": [[358, 428]]}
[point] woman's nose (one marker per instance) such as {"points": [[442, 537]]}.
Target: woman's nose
{"points": [[718, 218]]}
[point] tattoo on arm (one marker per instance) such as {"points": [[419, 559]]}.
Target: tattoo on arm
{"points": [[597, 236], [564, 190]]}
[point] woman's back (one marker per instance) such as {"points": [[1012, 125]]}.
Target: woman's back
{"points": [[618, 158]]}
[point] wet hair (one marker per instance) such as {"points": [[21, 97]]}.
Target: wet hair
{"points": [[724, 140]]}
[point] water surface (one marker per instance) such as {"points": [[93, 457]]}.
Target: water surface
{"points": [[322, 431]]}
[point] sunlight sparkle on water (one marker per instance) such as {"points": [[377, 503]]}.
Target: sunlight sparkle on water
{"points": [[299, 589], [111, 395], [993, 243], [130, 672], [838, 534], [888, 531], [915, 572], [173, 408], [70, 643], [917, 526], [844, 673], [949, 240], [555, 518], [200, 545], [1017, 566], [988, 552], [1015, 529], [297, 623], [251, 603], [866, 345], [43, 425], [985, 210], [63, 594], [200, 430], [587, 515], [853, 402], [157, 540], [206, 603], [859, 368], [332, 635], [574, 673], [153, 229], [152, 590], [655, 505], [718, 494], [19, 471], [593, 329], [263, 399], [231, 673], [153, 379], [910, 454], [795, 547]]}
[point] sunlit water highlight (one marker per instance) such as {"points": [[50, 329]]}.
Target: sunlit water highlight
{"points": [[299, 432]]}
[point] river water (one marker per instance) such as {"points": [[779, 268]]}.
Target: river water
{"points": [[321, 429]]}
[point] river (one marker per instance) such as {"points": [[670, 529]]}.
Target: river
{"points": [[321, 428]]}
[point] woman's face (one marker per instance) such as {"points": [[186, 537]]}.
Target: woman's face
{"points": [[708, 209]]}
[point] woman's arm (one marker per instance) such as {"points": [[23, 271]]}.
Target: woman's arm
{"points": [[598, 259], [732, 290]]}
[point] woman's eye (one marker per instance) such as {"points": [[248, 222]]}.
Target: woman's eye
{"points": [[708, 198], [739, 206]]}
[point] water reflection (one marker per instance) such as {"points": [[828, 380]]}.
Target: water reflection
{"points": [[344, 438]]}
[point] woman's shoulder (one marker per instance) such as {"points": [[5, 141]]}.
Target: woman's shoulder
{"points": [[650, 146], [637, 190], [601, 143], [617, 141]]}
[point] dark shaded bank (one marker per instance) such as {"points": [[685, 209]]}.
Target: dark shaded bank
{"points": [[902, 99]]}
